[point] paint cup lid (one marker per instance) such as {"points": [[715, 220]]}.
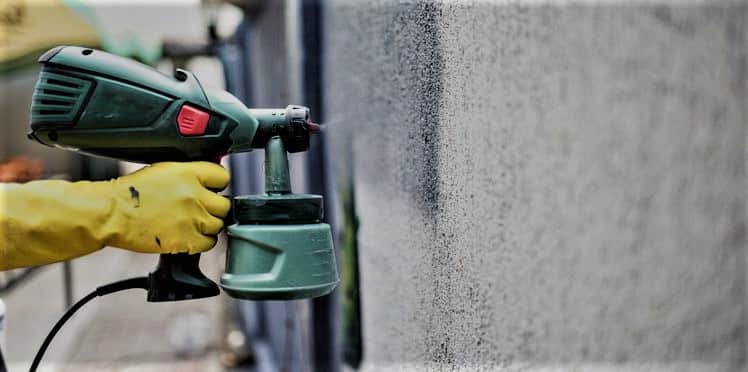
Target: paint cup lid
{"points": [[279, 209]]}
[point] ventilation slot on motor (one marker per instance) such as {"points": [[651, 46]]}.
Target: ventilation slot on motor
{"points": [[57, 98]]}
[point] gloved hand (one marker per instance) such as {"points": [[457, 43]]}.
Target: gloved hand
{"points": [[163, 208]]}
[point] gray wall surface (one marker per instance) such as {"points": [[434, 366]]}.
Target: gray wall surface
{"points": [[545, 186]]}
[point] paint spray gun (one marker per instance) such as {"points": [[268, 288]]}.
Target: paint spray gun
{"points": [[97, 103]]}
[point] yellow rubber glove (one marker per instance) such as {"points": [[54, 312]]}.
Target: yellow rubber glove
{"points": [[162, 208]]}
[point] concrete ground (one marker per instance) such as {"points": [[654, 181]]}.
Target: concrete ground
{"points": [[120, 332]]}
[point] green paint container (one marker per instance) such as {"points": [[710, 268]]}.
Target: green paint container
{"points": [[280, 262], [279, 249]]}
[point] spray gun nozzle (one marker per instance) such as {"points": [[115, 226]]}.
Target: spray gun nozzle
{"points": [[314, 127]]}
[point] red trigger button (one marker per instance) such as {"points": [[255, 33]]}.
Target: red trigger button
{"points": [[192, 121]]}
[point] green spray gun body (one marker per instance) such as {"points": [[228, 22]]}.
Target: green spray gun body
{"points": [[105, 105], [97, 103]]}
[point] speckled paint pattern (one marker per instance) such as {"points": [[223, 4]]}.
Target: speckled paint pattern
{"points": [[545, 186]]}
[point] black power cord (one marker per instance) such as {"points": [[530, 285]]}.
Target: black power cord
{"points": [[122, 285]]}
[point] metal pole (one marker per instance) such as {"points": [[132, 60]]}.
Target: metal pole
{"points": [[67, 276], [326, 309]]}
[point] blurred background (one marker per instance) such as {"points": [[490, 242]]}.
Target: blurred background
{"points": [[525, 185]]}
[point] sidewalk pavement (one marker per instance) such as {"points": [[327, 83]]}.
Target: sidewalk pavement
{"points": [[119, 332]]}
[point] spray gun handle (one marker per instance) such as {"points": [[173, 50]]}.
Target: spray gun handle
{"points": [[178, 277]]}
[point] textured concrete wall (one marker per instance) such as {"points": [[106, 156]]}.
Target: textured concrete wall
{"points": [[546, 185]]}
